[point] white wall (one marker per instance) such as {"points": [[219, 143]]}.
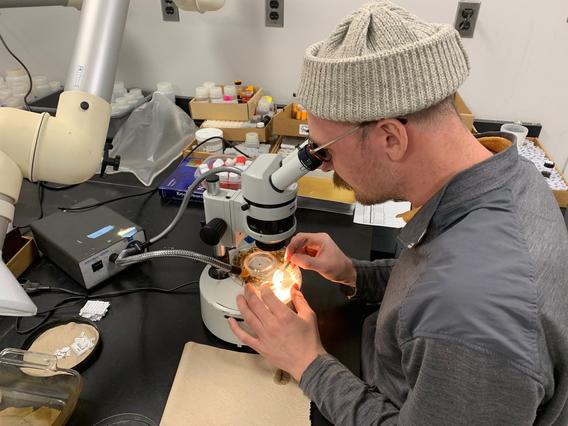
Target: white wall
{"points": [[519, 54]]}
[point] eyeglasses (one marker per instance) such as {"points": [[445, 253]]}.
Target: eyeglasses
{"points": [[323, 154]]}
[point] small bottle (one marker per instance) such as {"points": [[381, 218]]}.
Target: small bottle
{"points": [[216, 95], [228, 99], [118, 89], [265, 105], [248, 93], [55, 86], [201, 94], [251, 140], [167, 89], [239, 88], [230, 90]]}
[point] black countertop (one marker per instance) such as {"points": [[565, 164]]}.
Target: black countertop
{"points": [[143, 334]]}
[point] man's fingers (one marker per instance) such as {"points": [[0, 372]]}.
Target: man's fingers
{"points": [[250, 318], [304, 261], [243, 336], [297, 242], [256, 305], [275, 305], [300, 242], [300, 303]]}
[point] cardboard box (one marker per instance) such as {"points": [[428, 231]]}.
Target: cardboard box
{"points": [[19, 251], [239, 134], [222, 111], [464, 112], [203, 154], [285, 125], [561, 196]]}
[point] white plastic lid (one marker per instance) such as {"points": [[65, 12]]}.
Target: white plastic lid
{"points": [[19, 80], [15, 102], [215, 92], [39, 80], [136, 91], [122, 101], [209, 84], [203, 134], [165, 87], [16, 72], [251, 140], [231, 91], [5, 93], [19, 89], [201, 92]]}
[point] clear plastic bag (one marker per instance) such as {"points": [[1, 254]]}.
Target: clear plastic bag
{"points": [[152, 138]]}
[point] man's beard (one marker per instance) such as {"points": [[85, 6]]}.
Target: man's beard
{"points": [[338, 182]]}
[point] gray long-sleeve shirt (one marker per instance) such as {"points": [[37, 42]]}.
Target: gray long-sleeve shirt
{"points": [[473, 323]]}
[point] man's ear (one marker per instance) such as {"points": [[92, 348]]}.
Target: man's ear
{"points": [[394, 137]]}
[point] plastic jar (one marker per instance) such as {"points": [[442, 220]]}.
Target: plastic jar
{"points": [[216, 94], [55, 85], [201, 94], [251, 140], [214, 145], [167, 89], [231, 91]]}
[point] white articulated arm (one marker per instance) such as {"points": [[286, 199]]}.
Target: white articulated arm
{"points": [[64, 149], [67, 148]]}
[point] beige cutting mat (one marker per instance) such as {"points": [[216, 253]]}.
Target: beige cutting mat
{"points": [[219, 387]]}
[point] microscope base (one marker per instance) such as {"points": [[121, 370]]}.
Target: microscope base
{"points": [[218, 303]]}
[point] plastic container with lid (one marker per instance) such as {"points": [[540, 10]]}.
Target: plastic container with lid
{"points": [[216, 94], [33, 386], [212, 146], [166, 88], [201, 94], [265, 105], [251, 140], [55, 85], [227, 180]]}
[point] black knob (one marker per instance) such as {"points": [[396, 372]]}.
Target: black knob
{"points": [[245, 207], [114, 162], [84, 105], [213, 231]]}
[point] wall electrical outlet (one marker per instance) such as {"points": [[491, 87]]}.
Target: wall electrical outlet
{"points": [[466, 17], [170, 11], [274, 13]]}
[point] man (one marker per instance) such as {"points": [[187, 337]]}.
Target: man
{"points": [[473, 323]]}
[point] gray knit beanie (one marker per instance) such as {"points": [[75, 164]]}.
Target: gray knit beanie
{"points": [[381, 62]]}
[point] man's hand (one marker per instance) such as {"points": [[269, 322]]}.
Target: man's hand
{"points": [[318, 252], [288, 340]]}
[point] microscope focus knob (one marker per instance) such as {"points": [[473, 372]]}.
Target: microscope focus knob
{"points": [[212, 232]]}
